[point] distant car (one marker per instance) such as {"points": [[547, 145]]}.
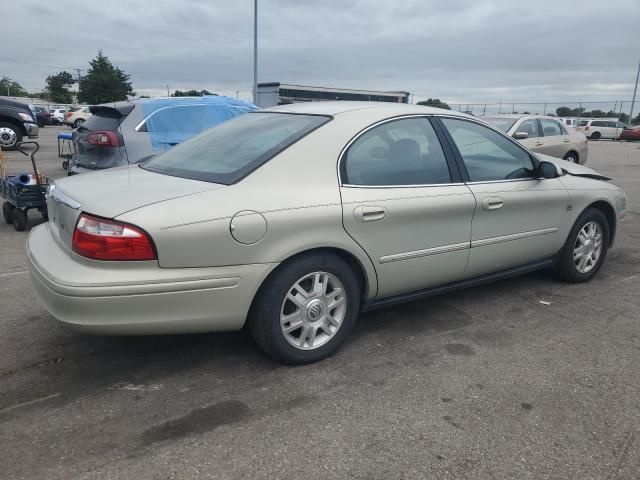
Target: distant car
{"points": [[597, 128], [631, 134], [569, 121], [42, 115], [16, 121], [129, 132], [292, 220], [58, 115], [76, 117], [544, 134]]}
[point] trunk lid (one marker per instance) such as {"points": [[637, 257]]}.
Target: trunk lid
{"points": [[110, 193]]}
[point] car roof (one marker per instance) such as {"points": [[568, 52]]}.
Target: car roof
{"points": [[516, 116], [341, 107]]}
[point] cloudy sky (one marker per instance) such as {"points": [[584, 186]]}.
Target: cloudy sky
{"points": [[457, 50]]}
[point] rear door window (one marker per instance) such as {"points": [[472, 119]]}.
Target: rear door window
{"points": [[550, 128], [398, 153]]}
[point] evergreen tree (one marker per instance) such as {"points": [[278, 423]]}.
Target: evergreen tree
{"points": [[104, 82]]}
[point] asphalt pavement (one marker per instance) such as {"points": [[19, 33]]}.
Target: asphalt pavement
{"points": [[528, 378]]}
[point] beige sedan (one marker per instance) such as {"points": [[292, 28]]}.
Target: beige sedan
{"points": [[544, 134], [293, 220]]}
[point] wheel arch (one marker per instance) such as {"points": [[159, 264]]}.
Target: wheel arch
{"points": [[15, 123], [367, 285], [575, 152], [610, 214]]}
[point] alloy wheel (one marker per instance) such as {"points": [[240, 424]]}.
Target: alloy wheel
{"points": [[8, 137], [313, 310], [588, 247]]}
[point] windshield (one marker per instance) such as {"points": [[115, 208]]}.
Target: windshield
{"points": [[500, 123], [228, 152]]}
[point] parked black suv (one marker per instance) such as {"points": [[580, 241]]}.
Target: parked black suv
{"points": [[16, 122]]}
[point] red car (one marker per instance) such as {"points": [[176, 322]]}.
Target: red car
{"points": [[631, 134]]}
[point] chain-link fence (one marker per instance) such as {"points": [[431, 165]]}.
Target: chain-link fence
{"points": [[616, 109]]}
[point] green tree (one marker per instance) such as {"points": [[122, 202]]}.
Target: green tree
{"points": [[564, 112], [58, 87], [570, 112], [104, 82], [191, 93], [11, 88], [434, 102]]}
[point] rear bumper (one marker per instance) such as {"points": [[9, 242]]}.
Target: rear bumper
{"points": [[139, 297]]}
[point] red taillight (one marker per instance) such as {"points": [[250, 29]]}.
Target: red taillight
{"points": [[102, 239], [104, 139], [68, 114], [586, 128]]}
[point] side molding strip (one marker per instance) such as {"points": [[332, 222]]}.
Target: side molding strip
{"points": [[397, 257], [515, 236]]}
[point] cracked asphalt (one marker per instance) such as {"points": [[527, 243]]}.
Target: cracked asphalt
{"points": [[486, 383]]}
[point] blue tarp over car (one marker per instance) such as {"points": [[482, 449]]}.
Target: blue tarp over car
{"points": [[171, 121]]}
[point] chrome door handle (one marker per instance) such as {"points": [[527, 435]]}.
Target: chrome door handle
{"points": [[566, 140], [369, 214], [539, 144], [492, 203]]}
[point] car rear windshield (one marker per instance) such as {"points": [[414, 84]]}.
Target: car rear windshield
{"points": [[105, 119], [503, 124], [233, 149]]}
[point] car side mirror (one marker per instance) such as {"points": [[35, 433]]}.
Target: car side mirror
{"points": [[520, 135], [548, 170]]}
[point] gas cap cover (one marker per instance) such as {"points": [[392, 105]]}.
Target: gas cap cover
{"points": [[248, 227]]}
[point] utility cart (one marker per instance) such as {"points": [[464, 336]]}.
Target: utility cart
{"points": [[21, 197]]}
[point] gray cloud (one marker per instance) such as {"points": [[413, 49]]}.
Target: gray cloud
{"points": [[548, 50]]}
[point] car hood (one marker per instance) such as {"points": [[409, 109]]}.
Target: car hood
{"points": [[109, 193], [573, 168]]}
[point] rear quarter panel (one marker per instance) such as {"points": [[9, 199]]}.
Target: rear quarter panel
{"points": [[296, 192]]}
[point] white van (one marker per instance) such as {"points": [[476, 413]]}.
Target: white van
{"points": [[569, 121], [597, 128]]}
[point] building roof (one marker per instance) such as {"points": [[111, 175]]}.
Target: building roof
{"points": [[331, 89]]}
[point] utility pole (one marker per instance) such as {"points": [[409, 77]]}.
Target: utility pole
{"points": [[255, 52], [237, 93], [635, 90], [168, 91]]}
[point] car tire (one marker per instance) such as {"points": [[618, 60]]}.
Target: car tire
{"points": [[293, 321], [19, 219], [595, 136], [572, 157], [10, 136], [6, 212], [78, 122], [583, 252]]}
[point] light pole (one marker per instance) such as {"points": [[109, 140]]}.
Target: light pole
{"points": [[255, 51], [635, 90]]}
